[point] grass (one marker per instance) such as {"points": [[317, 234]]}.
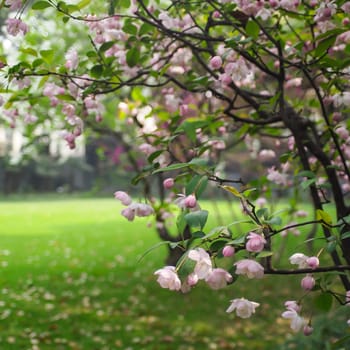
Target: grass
{"points": [[70, 278]]}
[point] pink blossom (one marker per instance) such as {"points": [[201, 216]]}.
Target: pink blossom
{"points": [[255, 242], [276, 177], [289, 4], [325, 11], [203, 266], [168, 278], [308, 282], [261, 202], [141, 209], [168, 183], [250, 268], [15, 26], [347, 298], [192, 279], [147, 149], [30, 118], [72, 59], [22, 83], [228, 251], [346, 7], [216, 14], [218, 278], [292, 305], [190, 201], [299, 259], [342, 132], [244, 308], [90, 102], [266, 155], [14, 4], [313, 262], [215, 62], [225, 79], [70, 138], [301, 213], [187, 110], [68, 109], [297, 322], [264, 14], [128, 213], [124, 198]]}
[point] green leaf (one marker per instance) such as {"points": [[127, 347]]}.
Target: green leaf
{"points": [[133, 57], [145, 29], [97, 71], [105, 46], [264, 254], [198, 234], [216, 231], [129, 28], [47, 55], [83, 3], [217, 245], [154, 155], [307, 173], [276, 220], [196, 185], [252, 29], [29, 51], [324, 45], [323, 302], [189, 127], [124, 4], [339, 343], [331, 247], [65, 97], [41, 5], [159, 244], [345, 235], [197, 218], [262, 213], [181, 222], [38, 62], [185, 266], [307, 183], [172, 167]]}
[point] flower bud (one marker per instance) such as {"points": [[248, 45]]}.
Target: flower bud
{"points": [[308, 282], [215, 62], [313, 262], [168, 183], [190, 201], [308, 330], [228, 251]]}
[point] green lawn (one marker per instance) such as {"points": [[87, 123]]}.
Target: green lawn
{"points": [[70, 278]]}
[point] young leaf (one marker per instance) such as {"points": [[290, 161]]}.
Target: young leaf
{"points": [[325, 217], [232, 190], [133, 57]]}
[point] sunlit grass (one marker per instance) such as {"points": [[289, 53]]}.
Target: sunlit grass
{"points": [[70, 278]]}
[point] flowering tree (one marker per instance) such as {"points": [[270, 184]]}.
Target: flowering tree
{"points": [[191, 80]]}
